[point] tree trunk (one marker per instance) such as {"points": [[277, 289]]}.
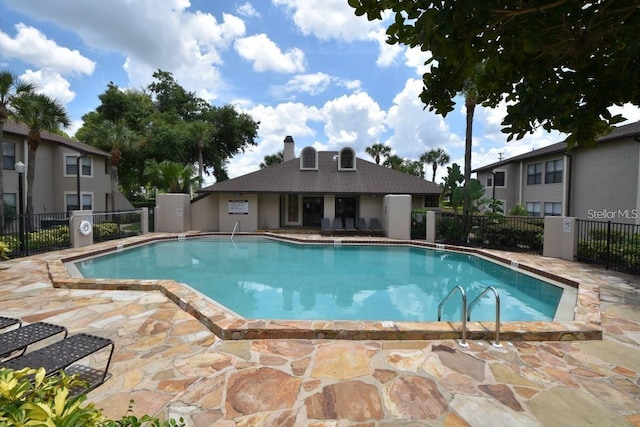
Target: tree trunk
{"points": [[31, 174], [470, 103], [114, 187], [435, 166], [200, 166]]}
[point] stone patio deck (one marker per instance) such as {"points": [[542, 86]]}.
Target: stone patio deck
{"points": [[172, 365]]}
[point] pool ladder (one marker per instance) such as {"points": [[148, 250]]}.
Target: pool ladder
{"points": [[234, 229], [465, 314]]}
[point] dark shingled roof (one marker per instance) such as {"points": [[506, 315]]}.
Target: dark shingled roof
{"points": [[620, 132], [369, 178], [21, 129]]}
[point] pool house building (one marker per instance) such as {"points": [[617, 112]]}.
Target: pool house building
{"points": [[299, 192]]}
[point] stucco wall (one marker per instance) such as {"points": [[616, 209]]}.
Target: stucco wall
{"points": [[205, 215], [605, 182], [370, 207], [248, 222], [269, 211], [396, 219], [173, 213]]}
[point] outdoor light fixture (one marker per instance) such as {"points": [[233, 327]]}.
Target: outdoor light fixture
{"points": [[20, 168]]}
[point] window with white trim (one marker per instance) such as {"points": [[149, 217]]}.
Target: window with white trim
{"points": [[553, 172], [8, 155], [309, 159], [534, 174], [71, 201], [347, 160], [533, 208], [71, 166], [552, 209]]}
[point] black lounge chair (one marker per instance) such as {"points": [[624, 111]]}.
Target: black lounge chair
{"points": [[5, 322], [337, 226], [62, 354], [15, 342], [325, 227], [349, 226], [376, 228], [361, 226]]}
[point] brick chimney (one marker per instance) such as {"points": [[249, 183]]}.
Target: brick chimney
{"points": [[289, 148]]}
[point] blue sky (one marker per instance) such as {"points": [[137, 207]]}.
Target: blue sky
{"points": [[309, 69]]}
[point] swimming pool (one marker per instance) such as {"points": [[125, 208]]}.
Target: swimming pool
{"points": [[267, 279]]}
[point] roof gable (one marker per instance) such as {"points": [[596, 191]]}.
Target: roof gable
{"points": [[369, 178], [20, 129]]}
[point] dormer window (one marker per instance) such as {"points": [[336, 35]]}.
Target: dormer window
{"points": [[309, 159], [347, 160]]}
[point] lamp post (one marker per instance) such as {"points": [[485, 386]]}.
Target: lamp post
{"points": [[20, 168], [78, 179]]}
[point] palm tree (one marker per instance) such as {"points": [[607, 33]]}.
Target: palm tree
{"points": [[202, 131], [40, 113], [378, 150], [172, 177], [10, 87], [114, 137], [272, 160], [394, 162], [435, 157]]}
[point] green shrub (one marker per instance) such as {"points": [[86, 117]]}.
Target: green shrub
{"points": [[29, 398], [105, 229]]}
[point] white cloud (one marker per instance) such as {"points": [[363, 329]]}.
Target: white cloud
{"points": [[353, 120], [50, 83], [150, 35], [248, 10], [275, 123], [267, 56], [415, 130], [312, 84], [328, 19], [388, 52], [33, 47]]}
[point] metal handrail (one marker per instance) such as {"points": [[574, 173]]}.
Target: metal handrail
{"points": [[234, 229], [496, 343], [463, 316]]}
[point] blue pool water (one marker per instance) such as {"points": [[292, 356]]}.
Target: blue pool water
{"points": [[267, 279]]}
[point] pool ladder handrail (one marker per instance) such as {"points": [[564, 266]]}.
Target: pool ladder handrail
{"points": [[496, 343], [463, 317], [234, 229]]}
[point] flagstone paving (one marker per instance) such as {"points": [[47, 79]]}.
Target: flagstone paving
{"points": [[171, 365]]}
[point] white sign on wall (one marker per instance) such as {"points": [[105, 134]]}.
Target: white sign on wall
{"points": [[566, 225], [238, 207]]}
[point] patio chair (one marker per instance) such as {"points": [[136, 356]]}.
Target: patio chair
{"points": [[5, 322], [15, 342], [62, 354], [376, 228], [337, 226], [361, 226], [325, 227], [349, 226]]}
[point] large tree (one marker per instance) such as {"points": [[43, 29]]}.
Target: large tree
{"points": [[116, 136], [40, 113], [10, 87], [558, 64]]}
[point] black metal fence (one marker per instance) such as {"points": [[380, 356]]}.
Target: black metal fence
{"points": [[24, 235], [116, 225], [609, 244], [33, 234], [513, 233]]}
